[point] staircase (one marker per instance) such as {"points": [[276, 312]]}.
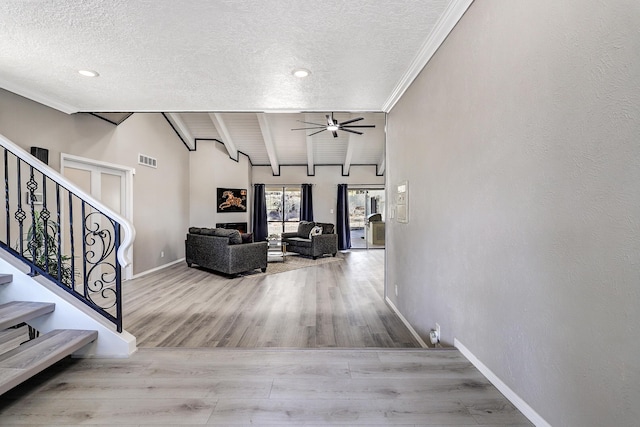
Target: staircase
{"points": [[26, 360]]}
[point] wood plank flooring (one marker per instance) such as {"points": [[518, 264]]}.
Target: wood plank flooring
{"points": [[339, 304], [162, 386]]}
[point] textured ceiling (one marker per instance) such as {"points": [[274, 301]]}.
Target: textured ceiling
{"points": [[224, 55], [228, 56]]}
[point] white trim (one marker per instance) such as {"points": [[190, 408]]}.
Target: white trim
{"points": [[153, 270], [518, 402], [68, 160], [441, 30], [406, 323], [64, 156]]}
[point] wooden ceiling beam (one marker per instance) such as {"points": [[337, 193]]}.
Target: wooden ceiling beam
{"points": [[181, 128], [265, 128], [227, 140]]}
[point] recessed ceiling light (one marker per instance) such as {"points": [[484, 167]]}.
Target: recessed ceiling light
{"points": [[88, 73], [301, 72]]}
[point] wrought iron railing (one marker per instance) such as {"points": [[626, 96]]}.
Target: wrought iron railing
{"points": [[63, 233]]}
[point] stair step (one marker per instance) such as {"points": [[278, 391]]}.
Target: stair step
{"points": [[23, 362], [15, 312], [6, 278], [13, 337]]}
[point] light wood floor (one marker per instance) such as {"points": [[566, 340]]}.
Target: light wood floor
{"points": [[162, 386], [339, 304]]}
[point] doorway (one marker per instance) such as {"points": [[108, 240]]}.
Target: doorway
{"points": [[366, 217], [110, 184]]}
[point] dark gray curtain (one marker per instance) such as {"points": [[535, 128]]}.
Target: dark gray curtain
{"points": [[260, 229], [306, 204], [342, 218]]}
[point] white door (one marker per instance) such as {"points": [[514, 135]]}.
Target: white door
{"points": [[110, 184]]}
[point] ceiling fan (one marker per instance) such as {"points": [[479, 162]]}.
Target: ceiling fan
{"points": [[333, 126]]}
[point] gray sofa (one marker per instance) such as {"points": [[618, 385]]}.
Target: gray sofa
{"points": [[314, 246], [223, 251]]}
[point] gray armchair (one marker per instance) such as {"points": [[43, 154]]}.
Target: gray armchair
{"points": [[304, 243], [223, 251]]}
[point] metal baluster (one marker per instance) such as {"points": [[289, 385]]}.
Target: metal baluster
{"points": [[71, 242], [6, 195], [20, 214], [33, 243], [116, 228], [84, 252]]}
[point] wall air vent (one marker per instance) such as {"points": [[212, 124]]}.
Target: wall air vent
{"points": [[147, 161]]}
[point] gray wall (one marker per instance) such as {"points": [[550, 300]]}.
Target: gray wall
{"points": [[209, 168], [161, 196], [520, 144]]}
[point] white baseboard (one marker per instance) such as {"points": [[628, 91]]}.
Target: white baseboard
{"points": [[153, 270], [511, 395], [406, 323]]}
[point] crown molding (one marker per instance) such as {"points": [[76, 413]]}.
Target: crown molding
{"points": [[38, 97], [441, 30]]}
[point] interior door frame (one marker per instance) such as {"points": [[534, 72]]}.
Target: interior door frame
{"points": [[77, 162]]}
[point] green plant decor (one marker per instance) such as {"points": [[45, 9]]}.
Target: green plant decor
{"points": [[41, 248]]}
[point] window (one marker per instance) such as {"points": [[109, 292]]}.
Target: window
{"points": [[283, 209]]}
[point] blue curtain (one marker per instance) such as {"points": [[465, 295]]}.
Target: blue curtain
{"points": [[260, 229], [342, 218], [306, 204]]}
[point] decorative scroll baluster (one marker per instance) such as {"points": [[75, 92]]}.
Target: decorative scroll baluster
{"points": [[33, 233]]}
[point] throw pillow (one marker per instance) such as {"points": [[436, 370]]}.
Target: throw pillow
{"points": [[247, 237], [327, 228], [315, 231], [232, 235], [194, 230], [304, 228]]}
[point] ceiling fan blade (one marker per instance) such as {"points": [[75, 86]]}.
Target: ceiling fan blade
{"points": [[351, 121], [310, 123], [335, 134], [359, 126], [318, 132], [352, 131], [330, 121], [316, 127]]}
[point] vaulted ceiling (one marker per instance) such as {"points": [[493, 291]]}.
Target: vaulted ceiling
{"points": [[222, 69]]}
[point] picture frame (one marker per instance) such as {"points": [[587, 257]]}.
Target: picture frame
{"points": [[37, 198], [231, 199]]}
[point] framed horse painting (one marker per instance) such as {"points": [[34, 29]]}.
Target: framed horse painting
{"points": [[232, 200]]}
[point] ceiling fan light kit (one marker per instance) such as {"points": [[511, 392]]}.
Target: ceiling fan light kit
{"points": [[333, 126]]}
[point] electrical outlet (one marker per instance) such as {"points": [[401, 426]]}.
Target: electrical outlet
{"points": [[161, 254], [438, 331], [396, 289]]}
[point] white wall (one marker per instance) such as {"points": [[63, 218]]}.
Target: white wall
{"points": [[209, 168], [520, 144], [161, 196], [325, 180]]}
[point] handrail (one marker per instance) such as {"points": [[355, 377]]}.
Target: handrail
{"points": [[63, 233], [129, 234]]}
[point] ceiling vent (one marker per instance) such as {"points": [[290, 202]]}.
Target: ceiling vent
{"points": [[147, 161]]}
